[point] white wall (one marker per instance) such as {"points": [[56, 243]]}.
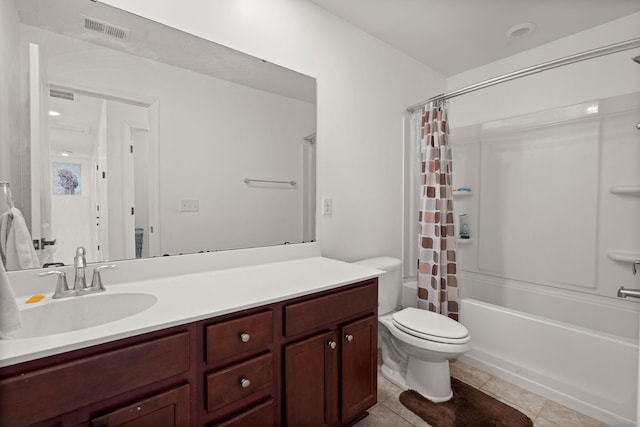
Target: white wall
{"points": [[364, 87]]}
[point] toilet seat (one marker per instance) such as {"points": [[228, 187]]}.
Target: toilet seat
{"points": [[430, 326]]}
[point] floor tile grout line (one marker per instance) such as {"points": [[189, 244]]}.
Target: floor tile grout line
{"points": [[396, 412]]}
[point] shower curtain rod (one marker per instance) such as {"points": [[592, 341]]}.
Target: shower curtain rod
{"points": [[589, 54]]}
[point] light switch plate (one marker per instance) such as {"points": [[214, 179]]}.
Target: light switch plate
{"points": [[189, 206], [327, 206]]}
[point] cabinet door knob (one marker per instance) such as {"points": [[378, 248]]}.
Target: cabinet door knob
{"points": [[349, 337], [245, 337], [332, 345], [245, 383]]}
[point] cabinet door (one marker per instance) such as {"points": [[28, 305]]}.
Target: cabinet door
{"points": [[359, 367], [168, 409], [311, 378]]}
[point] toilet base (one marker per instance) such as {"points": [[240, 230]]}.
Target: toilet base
{"points": [[430, 379], [394, 377], [437, 389]]}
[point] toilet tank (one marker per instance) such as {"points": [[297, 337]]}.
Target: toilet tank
{"points": [[389, 283]]}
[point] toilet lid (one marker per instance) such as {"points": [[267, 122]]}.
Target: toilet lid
{"points": [[431, 326]]}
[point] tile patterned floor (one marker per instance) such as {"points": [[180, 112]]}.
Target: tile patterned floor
{"points": [[544, 413]]}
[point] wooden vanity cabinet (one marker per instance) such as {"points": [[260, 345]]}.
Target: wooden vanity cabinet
{"points": [[77, 387], [318, 367], [268, 366], [331, 372], [239, 368]]}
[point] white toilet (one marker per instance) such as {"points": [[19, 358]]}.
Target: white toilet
{"points": [[416, 344]]}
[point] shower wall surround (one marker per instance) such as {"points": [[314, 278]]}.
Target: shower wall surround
{"points": [[542, 209], [553, 144], [545, 222]]}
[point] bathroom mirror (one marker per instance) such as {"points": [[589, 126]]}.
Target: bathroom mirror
{"points": [[141, 140]]}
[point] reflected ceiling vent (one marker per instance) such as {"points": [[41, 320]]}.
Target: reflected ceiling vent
{"points": [[62, 94], [105, 28]]}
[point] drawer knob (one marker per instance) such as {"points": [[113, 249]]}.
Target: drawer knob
{"points": [[332, 345], [245, 337], [245, 383], [349, 337]]}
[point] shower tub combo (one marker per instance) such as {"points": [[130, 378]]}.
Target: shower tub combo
{"points": [[585, 366]]}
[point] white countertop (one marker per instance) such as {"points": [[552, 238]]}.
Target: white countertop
{"points": [[187, 298]]}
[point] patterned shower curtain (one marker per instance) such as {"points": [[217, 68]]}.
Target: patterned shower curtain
{"points": [[437, 283]]}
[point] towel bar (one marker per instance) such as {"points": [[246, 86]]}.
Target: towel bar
{"points": [[248, 180]]}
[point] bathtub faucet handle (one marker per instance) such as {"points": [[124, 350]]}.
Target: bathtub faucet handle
{"points": [[633, 266]]}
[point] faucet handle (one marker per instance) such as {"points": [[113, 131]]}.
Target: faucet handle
{"points": [[96, 281], [62, 287]]}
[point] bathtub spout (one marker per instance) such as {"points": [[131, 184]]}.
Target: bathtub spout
{"points": [[623, 293]]}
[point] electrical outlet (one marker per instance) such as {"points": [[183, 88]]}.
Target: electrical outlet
{"points": [[189, 206]]}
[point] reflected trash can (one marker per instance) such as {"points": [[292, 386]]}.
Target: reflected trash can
{"points": [[139, 240]]}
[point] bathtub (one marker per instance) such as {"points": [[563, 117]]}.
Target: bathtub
{"points": [[593, 372]]}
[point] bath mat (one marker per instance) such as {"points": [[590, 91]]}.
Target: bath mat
{"points": [[468, 407]]}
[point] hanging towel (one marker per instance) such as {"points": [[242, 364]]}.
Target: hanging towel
{"points": [[9, 313], [16, 245]]}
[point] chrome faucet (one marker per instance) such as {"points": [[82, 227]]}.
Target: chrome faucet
{"points": [[80, 264], [80, 286]]}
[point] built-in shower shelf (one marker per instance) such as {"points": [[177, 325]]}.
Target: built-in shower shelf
{"points": [[464, 241], [623, 256], [625, 189], [461, 193]]}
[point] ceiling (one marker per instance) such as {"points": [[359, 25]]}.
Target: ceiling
{"points": [[452, 36], [74, 131]]}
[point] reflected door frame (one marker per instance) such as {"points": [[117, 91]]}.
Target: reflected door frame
{"points": [[151, 234]]}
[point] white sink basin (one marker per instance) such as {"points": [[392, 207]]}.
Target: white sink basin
{"points": [[66, 315]]}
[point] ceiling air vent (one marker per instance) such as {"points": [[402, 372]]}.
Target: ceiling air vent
{"points": [[62, 94], [105, 28]]}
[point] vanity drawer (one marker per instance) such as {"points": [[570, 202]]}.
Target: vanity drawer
{"points": [[260, 415], [67, 386], [247, 334], [239, 381], [324, 310]]}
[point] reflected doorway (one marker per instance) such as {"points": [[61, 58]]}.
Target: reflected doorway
{"points": [[99, 146]]}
